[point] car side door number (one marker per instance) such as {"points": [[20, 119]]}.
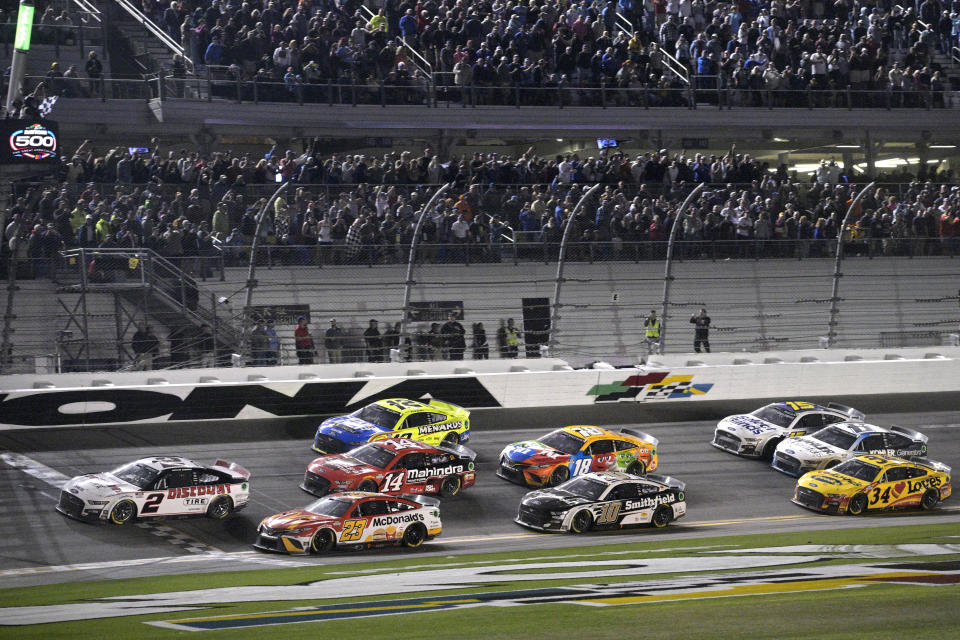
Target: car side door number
{"points": [[152, 505]]}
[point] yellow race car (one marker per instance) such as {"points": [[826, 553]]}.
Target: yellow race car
{"points": [[874, 483], [433, 423], [573, 451]]}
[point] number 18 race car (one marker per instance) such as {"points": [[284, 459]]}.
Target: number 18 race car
{"points": [[874, 483], [606, 500], [393, 466], [432, 423], [354, 519], [157, 487]]}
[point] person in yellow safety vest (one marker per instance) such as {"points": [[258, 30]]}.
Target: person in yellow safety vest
{"points": [[378, 22], [512, 340], [652, 325]]}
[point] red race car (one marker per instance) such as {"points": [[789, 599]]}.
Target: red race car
{"points": [[394, 467]]}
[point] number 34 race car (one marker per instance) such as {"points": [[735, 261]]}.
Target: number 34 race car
{"points": [[157, 487], [606, 500], [432, 423], [354, 519], [393, 466]]}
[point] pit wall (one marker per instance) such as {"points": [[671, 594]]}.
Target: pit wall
{"points": [[76, 400]]}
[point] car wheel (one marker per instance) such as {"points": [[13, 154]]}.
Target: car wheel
{"points": [[930, 499], [637, 468], [123, 512], [367, 485], [323, 541], [768, 450], [662, 517], [857, 505], [452, 439], [450, 486], [582, 521], [560, 475], [220, 508], [414, 536]]}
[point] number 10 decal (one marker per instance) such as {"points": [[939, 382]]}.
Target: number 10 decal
{"points": [[609, 513]]}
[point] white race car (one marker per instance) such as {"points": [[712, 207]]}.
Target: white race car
{"points": [[842, 441], [756, 435], [157, 487]]}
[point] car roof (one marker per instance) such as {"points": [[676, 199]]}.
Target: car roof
{"points": [[404, 445], [168, 462], [883, 461], [609, 477], [408, 405], [571, 429], [859, 427], [792, 405]]}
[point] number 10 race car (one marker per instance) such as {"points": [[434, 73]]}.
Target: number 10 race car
{"points": [[157, 487]]}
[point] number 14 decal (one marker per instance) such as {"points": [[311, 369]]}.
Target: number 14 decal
{"points": [[392, 481]]}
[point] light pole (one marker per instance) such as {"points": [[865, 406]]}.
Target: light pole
{"points": [[668, 265]]}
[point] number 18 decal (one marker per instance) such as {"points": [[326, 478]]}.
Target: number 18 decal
{"points": [[582, 466]]}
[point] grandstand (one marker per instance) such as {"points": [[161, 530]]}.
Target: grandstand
{"points": [[200, 110]]}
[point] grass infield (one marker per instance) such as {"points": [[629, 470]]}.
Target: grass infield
{"points": [[877, 611]]}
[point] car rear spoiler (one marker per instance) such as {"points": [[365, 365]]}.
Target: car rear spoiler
{"points": [[458, 449], [646, 437], [232, 468], [910, 433], [667, 480], [930, 464], [852, 413], [427, 501]]}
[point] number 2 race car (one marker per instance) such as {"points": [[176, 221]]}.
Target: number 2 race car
{"points": [[157, 487], [353, 519], [574, 451], [756, 435], [838, 442], [393, 466], [874, 483], [605, 500], [432, 423]]}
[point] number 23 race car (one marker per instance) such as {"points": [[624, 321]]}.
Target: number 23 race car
{"points": [[157, 487]]}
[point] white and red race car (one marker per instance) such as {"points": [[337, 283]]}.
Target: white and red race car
{"points": [[157, 487]]}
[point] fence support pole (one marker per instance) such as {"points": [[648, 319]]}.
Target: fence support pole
{"points": [[668, 265], [835, 293]]}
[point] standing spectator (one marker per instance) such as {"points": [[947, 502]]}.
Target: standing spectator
{"points": [[178, 346], [371, 337], [435, 341], [652, 326], [273, 345], [701, 331], [146, 346], [94, 69], [511, 339], [453, 334], [259, 345], [303, 342], [481, 350], [206, 346], [333, 343]]}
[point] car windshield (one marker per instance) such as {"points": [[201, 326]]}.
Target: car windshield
{"points": [[858, 469], [373, 455], [328, 506], [584, 487], [562, 441], [137, 474], [836, 437], [780, 416], [378, 415]]}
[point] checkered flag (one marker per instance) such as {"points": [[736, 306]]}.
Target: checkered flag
{"points": [[47, 106], [662, 391]]}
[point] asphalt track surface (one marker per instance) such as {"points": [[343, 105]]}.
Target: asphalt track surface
{"points": [[725, 495]]}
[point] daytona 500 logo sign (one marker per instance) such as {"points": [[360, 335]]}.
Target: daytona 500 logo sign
{"points": [[35, 142]]}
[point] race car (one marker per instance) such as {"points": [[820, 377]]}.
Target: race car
{"points": [[604, 500], [157, 487], [573, 451], [432, 423], [393, 466], [353, 519], [874, 483], [756, 435], [838, 442]]}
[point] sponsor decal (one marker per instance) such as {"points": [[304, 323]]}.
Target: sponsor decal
{"points": [[651, 501], [33, 142], [900, 453], [431, 472], [651, 386], [193, 492], [190, 502], [383, 521], [437, 428]]}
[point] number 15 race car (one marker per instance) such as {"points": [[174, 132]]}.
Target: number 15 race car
{"points": [[157, 487]]}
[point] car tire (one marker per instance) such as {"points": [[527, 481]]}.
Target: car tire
{"points": [[769, 449], [637, 468], [450, 486], [858, 504], [414, 536], [452, 439], [930, 500], [662, 517], [582, 521], [220, 508], [559, 475], [123, 512], [368, 485], [323, 541]]}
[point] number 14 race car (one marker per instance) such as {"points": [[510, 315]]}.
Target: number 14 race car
{"points": [[157, 487]]}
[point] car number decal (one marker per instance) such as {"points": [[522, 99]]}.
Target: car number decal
{"points": [[152, 505], [353, 529]]}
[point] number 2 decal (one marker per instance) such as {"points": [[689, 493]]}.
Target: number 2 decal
{"points": [[152, 505], [582, 466], [392, 481], [352, 530]]}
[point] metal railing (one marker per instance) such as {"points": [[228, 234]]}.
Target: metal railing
{"points": [[148, 24], [418, 60]]}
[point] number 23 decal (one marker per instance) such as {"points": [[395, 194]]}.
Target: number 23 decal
{"points": [[353, 529]]}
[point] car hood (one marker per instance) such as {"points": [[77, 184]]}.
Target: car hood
{"points": [[747, 426], [350, 428], [98, 484], [806, 448], [552, 499], [295, 518], [830, 482], [532, 452], [341, 464]]}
